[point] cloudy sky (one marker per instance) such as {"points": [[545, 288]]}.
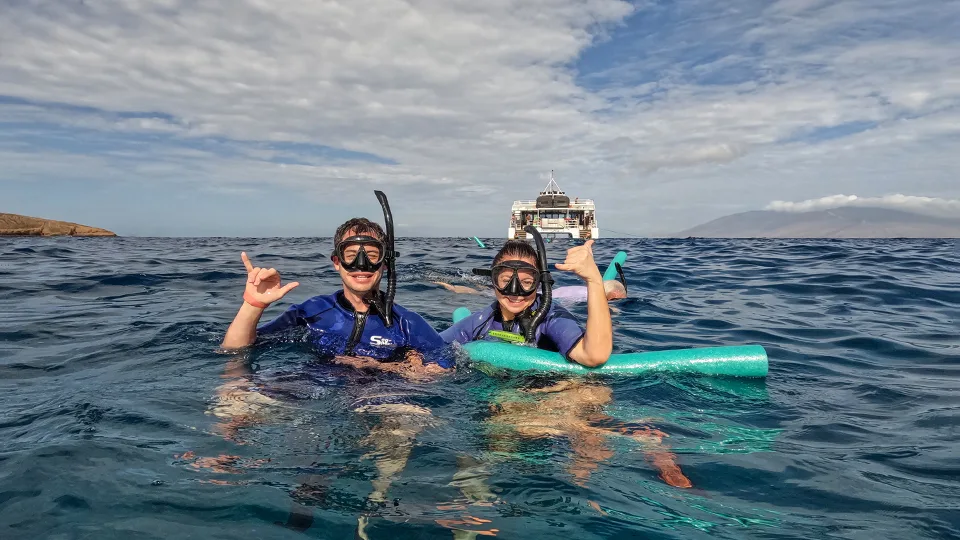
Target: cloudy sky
{"points": [[280, 117]]}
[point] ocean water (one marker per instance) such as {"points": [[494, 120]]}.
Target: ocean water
{"points": [[119, 417]]}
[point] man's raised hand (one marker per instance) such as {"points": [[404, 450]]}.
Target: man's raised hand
{"points": [[263, 284]]}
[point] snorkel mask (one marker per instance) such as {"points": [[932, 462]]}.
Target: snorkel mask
{"points": [[515, 278], [372, 253], [518, 278], [360, 259]]}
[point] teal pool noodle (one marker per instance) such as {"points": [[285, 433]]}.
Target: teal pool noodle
{"points": [[731, 361], [728, 361], [611, 273], [479, 243]]}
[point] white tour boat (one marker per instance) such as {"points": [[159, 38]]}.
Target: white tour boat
{"points": [[554, 215]]}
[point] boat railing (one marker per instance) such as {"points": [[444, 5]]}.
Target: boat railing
{"points": [[573, 204]]}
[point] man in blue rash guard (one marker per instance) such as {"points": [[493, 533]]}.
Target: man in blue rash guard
{"points": [[348, 322], [361, 327]]}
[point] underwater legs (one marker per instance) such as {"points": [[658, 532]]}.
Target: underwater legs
{"points": [[392, 440]]}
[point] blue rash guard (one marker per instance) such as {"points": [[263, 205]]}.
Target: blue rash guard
{"points": [[335, 328], [559, 331]]}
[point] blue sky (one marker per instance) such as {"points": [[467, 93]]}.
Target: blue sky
{"points": [[247, 118]]}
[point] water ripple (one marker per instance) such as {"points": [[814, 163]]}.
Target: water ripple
{"points": [[113, 423]]}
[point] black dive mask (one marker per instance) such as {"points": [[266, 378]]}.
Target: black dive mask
{"points": [[515, 278], [360, 253]]}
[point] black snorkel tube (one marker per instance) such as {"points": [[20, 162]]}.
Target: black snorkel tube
{"points": [[384, 302], [622, 278], [546, 285]]}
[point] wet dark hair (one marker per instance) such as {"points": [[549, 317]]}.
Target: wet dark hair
{"points": [[515, 249], [361, 226]]}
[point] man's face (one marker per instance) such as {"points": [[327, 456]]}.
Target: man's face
{"points": [[359, 282], [516, 304]]}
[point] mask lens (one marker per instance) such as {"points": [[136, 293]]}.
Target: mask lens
{"points": [[504, 277], [527, 277], [373, 253], [350, 252]]}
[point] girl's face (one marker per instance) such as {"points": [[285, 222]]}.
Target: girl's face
{"points": [[516, 304]]}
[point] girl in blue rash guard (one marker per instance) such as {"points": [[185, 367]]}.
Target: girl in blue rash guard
{"points": [[571, 408], [516, 273]]}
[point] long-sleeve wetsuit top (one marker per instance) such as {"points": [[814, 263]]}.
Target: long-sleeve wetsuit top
{"points": [[335, 328], [559, 331]]}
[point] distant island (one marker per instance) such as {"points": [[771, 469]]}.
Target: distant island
{"points": [[844, 222], [17, 225]]}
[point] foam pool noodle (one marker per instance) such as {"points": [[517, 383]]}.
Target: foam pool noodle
{"points": [[611, 272], [729, 361]]}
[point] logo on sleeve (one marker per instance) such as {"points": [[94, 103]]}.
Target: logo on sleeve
{"points": [[380, 341]]}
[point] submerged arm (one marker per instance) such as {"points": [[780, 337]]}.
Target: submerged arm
{"points": [[243, 330], [459, 289], [237, 406], [412, 367]]}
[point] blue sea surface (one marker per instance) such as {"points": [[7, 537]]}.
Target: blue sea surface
{"points": [[120, 418]]}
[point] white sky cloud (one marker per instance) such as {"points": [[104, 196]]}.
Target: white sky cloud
{"points": [[925, 205], [467, 102]]}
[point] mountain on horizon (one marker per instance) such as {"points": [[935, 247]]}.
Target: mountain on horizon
{"points": [[844, 222]]}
